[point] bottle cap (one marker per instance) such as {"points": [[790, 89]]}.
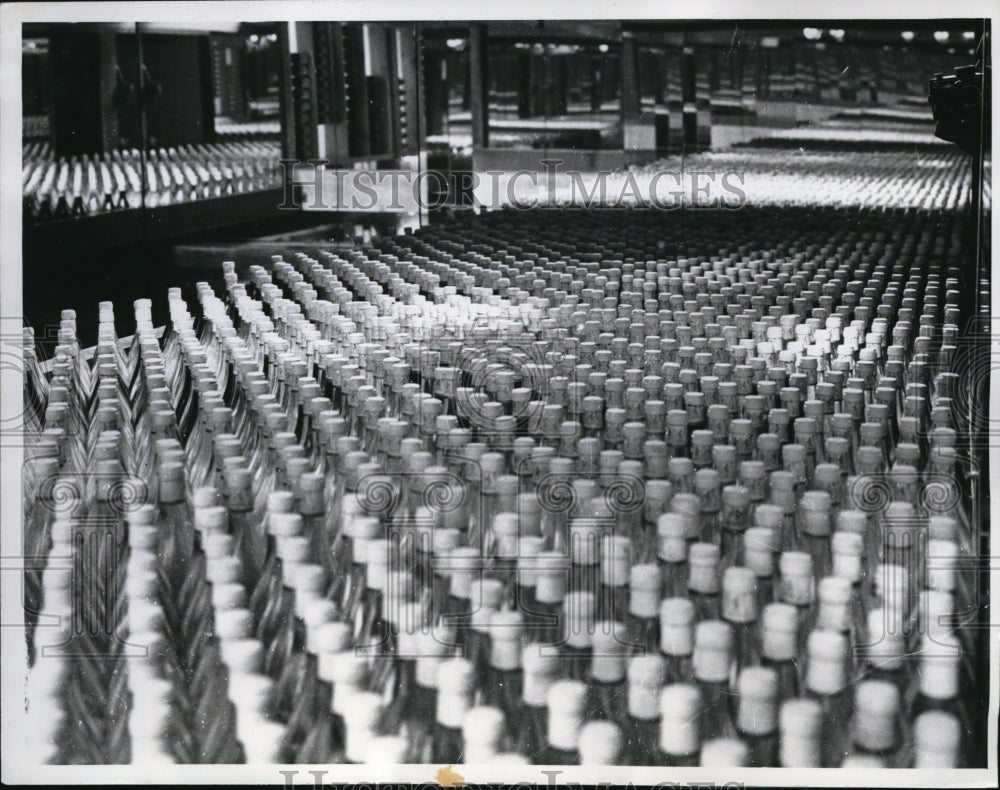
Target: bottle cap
{"points": [[505, 629], [703, 568], [455, 684], [234, 624], [876, 705], [852, 521], [713, 651], [609, 652], [644, 591], [779, 628], [600, 743], [578, 606], [942, 557], [386, 750], [826, 667], [483, 730], [677, 617], [616, 560], [760, 546], [645, 680], [551, 577], [739, 595], [566, 700], [241, 656], [680, 705], [770, 516], [347, 671], [724, 753], [796, 569], [846, 548], [231, 595], [887, 648], [758, 711], [938, 738], [800, 721], [673, 533], [361, 715], [541, 669], [284, 524]]}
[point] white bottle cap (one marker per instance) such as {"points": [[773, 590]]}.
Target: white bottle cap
{"points": [[863, 761], [876, 705], [505, 530], [800, 721], [644, 591], [144, 585], [224, 570], [465, 568], [758, 705], [796, 569], [942, 556], [826, 667], [386, 750], [228, 596], [552, 577], [241, 655], [142, 615], [938, 738], [211, 519], [486, 593], [309, 579], [645, 681], [431, 646], [541, 668], [348, 672], [739, 595], [940, 659], [585, 539], [886, 644], [315, 613], [529, 547], [410, 621], [234, 624], [250, 692], [282, 524], [770, 516], [713, 651], [672, 531], [600, 743], [703, 568], [566, 700], [677, 626], [891, 584], [936, 610], [578, 606], [293, 550], [759, 548], [609, 652], [680, 704], [846, 548], [834, 604], [329, 639], [456, 684], [217, 544], [724, 753], [616, 560], [505, 629], [483, 729], [361, 715], [509, 758]]}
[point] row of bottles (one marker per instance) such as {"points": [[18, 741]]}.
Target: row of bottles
{"points": [[349, 511], [130, 179]]}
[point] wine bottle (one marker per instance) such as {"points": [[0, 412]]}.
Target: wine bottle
{"points": [[826, 681], [713, 663], [739, 609]]}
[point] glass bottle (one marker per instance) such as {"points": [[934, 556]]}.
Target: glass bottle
{"points": [[642, 620], [703, 585], [739, 609], [826, 681], [672, 554], [645, 682], [607, 687], [541, 670], [757, 715], [713, 663]]}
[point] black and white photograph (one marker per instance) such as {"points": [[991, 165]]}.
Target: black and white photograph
{"points": [[470, 396]]}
